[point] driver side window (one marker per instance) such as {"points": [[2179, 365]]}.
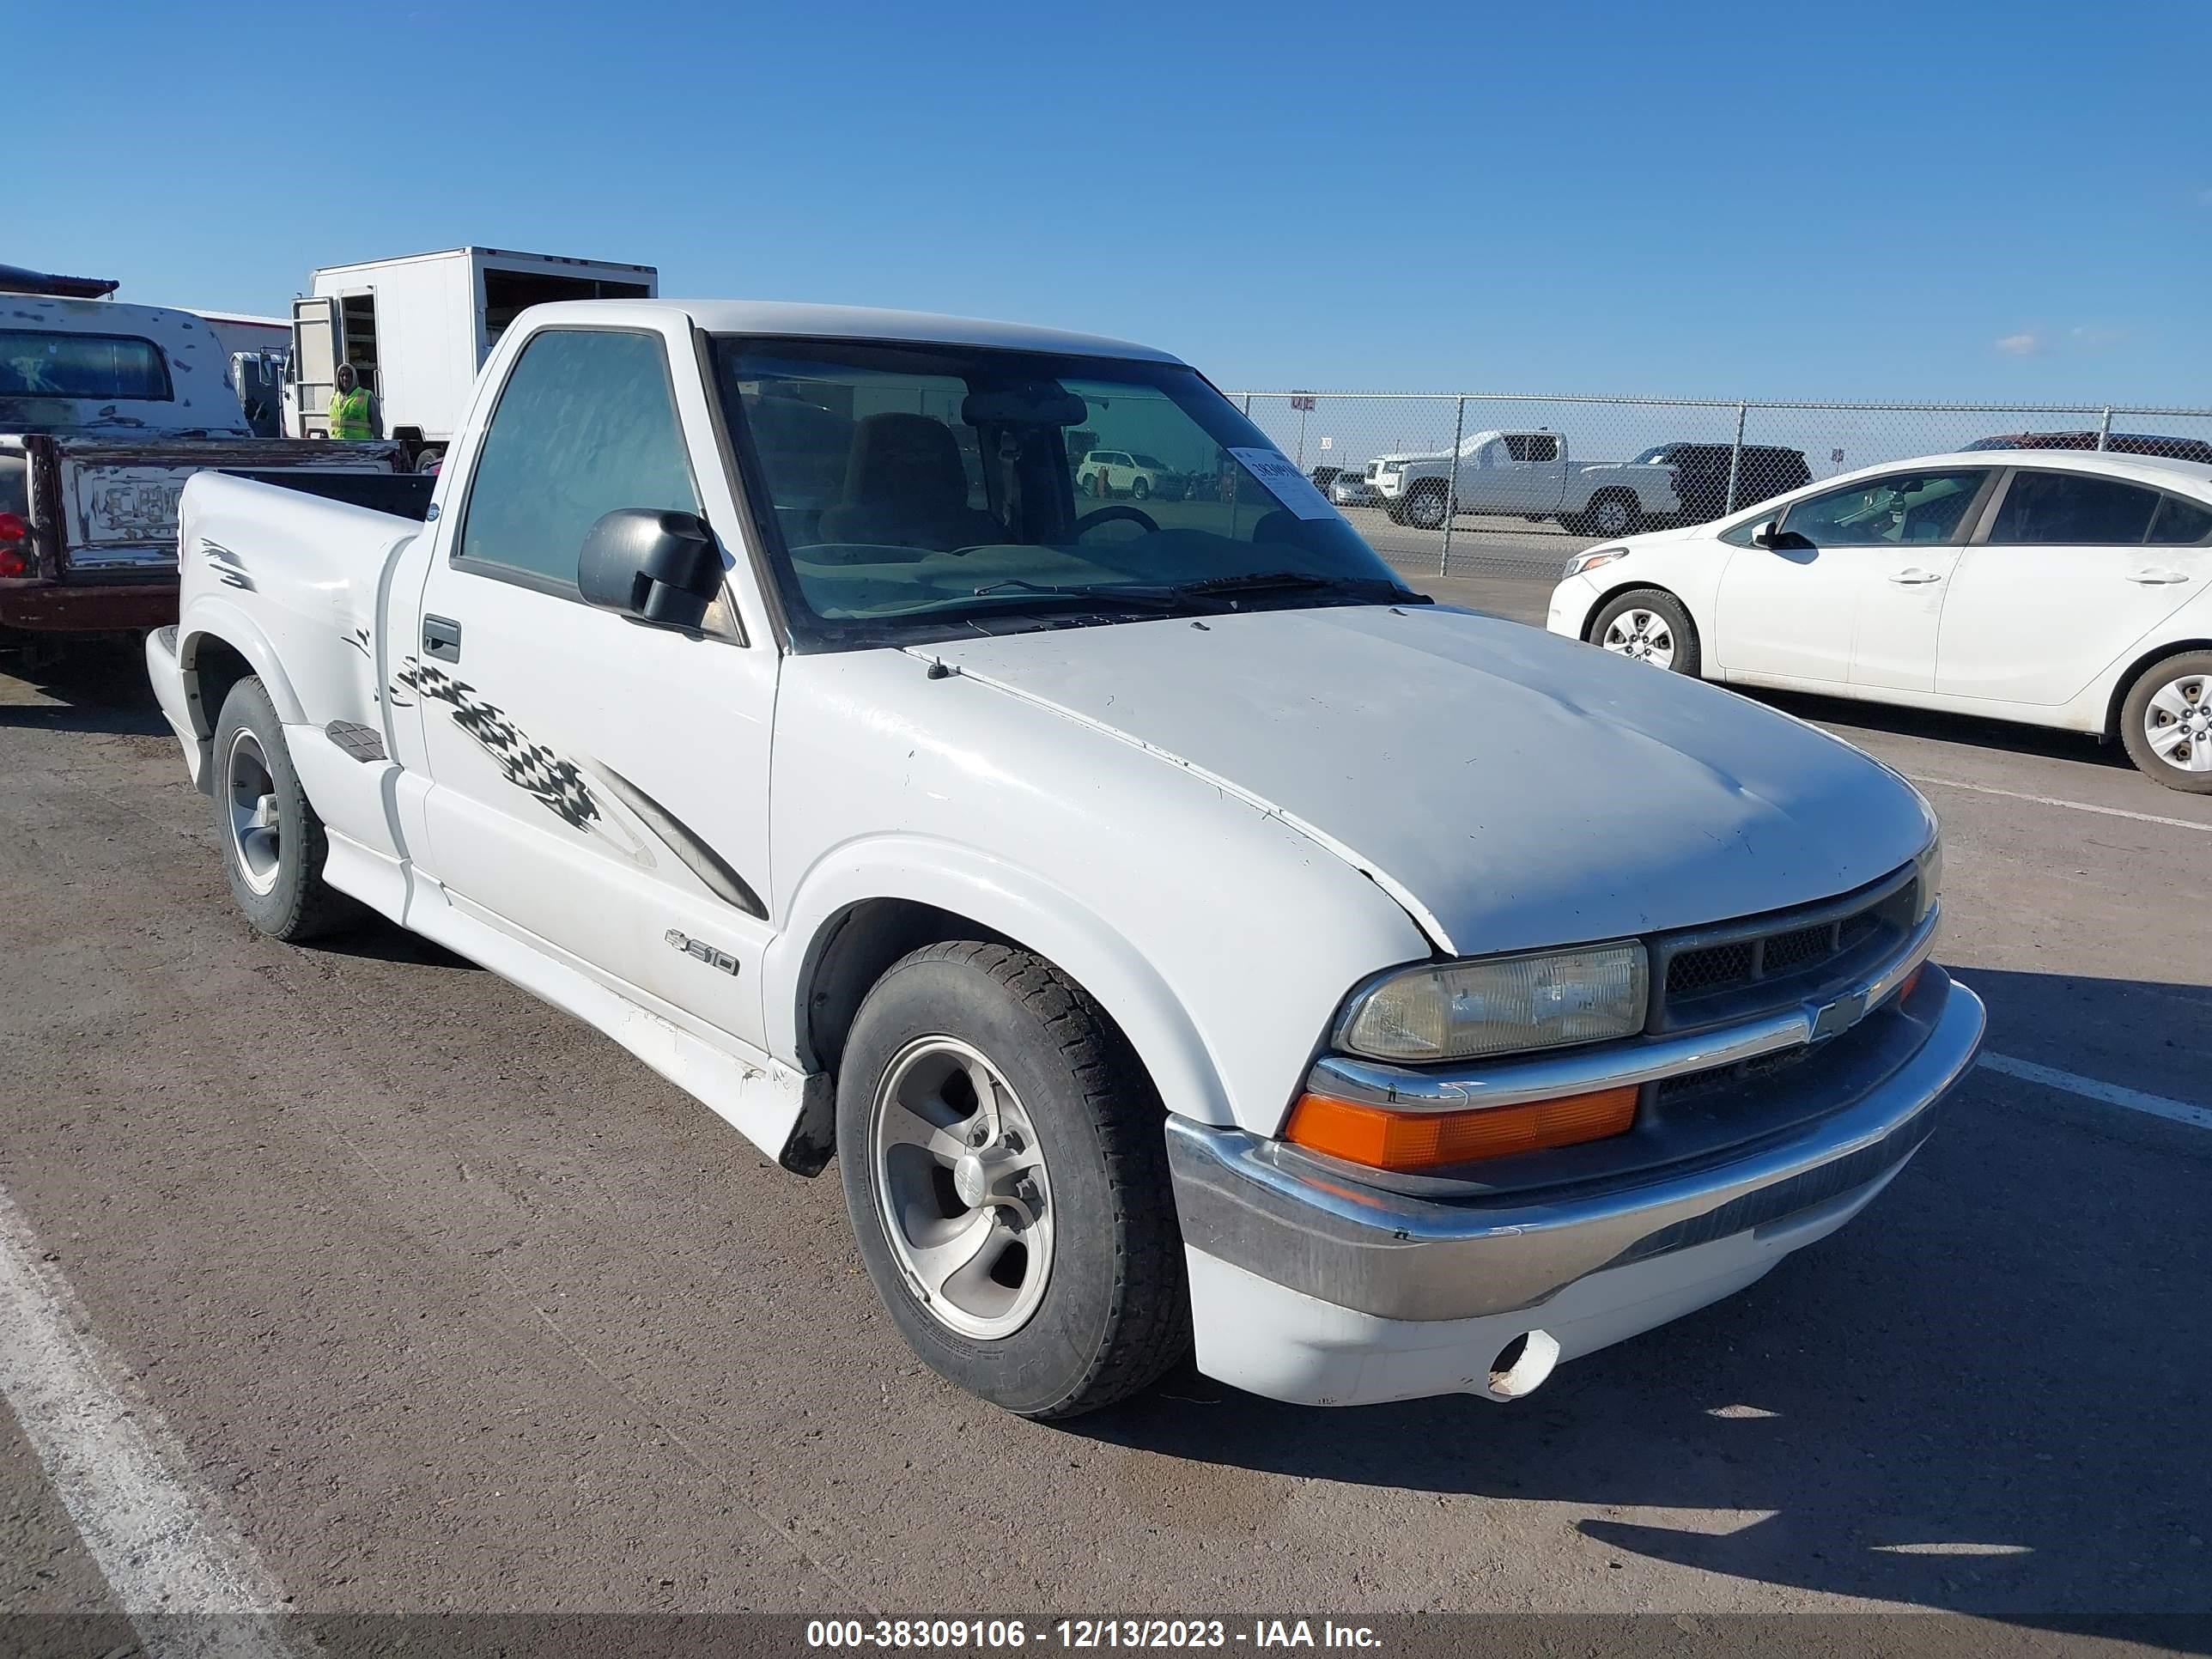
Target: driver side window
{"points": [[586, 423], [1900, 507]]}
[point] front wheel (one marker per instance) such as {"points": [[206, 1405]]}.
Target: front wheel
{"points": [[1006, 1168], [2167, 722], [1426, 508], [1648, 625]]}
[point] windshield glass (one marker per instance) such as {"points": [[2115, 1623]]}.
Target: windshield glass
{"points": [[929, 489], [37, 364]]}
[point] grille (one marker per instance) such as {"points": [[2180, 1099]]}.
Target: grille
{"points": [[1786, 952], [1709, 969], [1767, 963]]}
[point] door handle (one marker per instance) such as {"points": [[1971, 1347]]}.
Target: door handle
{"points": [[1913, 577], [2156, 578], [442, 638]]}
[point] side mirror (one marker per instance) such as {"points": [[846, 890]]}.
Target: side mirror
{"points": [[1764, 535], [656, 564]]}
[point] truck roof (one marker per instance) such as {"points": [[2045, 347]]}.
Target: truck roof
{"points": [[201, 397], [796, 321]]}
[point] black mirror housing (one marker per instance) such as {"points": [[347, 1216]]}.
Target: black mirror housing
{"points": [[659, 565]]}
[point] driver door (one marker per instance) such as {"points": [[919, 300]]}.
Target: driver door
{"points": [[1851, 590], [597, 786]]}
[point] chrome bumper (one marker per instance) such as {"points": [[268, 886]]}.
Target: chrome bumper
{"points": [[1398, 1256]]}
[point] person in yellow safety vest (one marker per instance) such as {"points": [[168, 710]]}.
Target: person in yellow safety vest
{"points": [[353, 412]]}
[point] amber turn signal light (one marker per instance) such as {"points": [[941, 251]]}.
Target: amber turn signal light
{"points": [[1408, 1142]]}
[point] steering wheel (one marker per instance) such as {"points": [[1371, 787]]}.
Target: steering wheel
{"points": [[1091, 521]]}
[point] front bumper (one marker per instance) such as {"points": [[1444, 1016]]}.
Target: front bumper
{"points": [[1315, 1288], [1571, 605]]}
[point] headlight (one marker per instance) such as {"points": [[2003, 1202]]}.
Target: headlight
{"points": [[1928, 867], [1461, 1010], [1592, 560]]}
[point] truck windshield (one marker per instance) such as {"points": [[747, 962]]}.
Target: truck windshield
{"points": [[910, 490], [35, 363]]}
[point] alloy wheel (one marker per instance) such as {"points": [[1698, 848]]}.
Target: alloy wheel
{"points": [[962, 1189], [251, 791]]}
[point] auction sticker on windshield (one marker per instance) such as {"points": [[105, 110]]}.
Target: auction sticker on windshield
{"points": [[1285, 482]]}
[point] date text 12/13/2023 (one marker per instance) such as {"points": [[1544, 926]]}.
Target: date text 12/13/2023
{"points": [[1078, 1634]]}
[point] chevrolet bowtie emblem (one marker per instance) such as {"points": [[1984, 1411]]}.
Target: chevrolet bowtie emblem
{"points": [[1839, 1016]]}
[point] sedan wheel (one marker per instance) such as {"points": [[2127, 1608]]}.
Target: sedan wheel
{"points": [[1645, 636], [2177, 723]]}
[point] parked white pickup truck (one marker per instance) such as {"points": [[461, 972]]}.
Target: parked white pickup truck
{"points": [[1179, 934], [1527, 474]]}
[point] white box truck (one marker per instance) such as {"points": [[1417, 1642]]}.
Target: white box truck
{"points": [[418, 328]]}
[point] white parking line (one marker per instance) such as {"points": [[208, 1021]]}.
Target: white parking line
{"points": [[2075, 805], [2174, 1111], [158, 1549]]}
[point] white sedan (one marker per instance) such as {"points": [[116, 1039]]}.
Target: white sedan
{"points": [[2059, 589]]}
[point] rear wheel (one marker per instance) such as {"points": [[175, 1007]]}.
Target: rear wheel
{"points": [[1615, 513], [2167, 722], [1648, 625], [1004, 1164], [273, 844], [1141, 488]]}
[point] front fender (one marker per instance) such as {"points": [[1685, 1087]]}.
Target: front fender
{"points": [[1023, 905]]}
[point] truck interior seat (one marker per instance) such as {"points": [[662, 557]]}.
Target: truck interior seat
{"points": [[905, 487]]}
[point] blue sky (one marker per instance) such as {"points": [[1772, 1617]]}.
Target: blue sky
{"points": [[1987, 201]]}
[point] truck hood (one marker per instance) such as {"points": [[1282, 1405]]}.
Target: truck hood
{"points": [[1510, 788]]}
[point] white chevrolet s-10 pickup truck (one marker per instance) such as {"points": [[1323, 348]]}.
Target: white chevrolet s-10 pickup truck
{"points": [[1181, 934]]}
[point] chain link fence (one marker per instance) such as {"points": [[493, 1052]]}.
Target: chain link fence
{"points": [[1539, 477]]}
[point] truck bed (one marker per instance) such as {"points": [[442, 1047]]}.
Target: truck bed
{"points": [[400, 494]]}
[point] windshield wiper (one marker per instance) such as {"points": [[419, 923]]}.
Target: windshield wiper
{"points": [[1303, 581], [1143, 596]]}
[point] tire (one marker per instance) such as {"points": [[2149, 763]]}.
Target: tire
{"points": [[1654, 628], [1424, 508], [1140, 487], [257, 797], [428, 459], [1613, 513], [2174, 693], [1082, 1160]]}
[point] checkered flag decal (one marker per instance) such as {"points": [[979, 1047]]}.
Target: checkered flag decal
{"points": [[556, 784]]}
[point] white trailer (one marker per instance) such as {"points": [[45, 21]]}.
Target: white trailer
{"points": [[418, 328], [235, 331]]}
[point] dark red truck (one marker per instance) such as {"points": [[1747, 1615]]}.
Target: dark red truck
{"points": [[105, 410]]}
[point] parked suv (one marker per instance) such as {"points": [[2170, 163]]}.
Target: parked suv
{"points": [[1121, 472], [1701, 474]]}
